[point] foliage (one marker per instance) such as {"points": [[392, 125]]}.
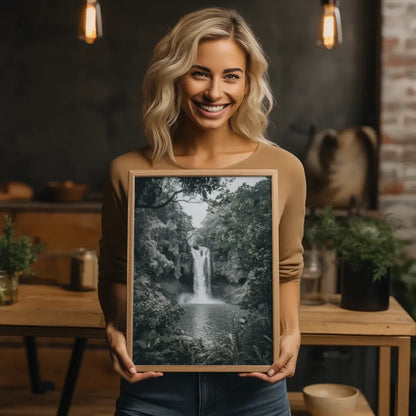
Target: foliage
{"points": [[173, 348], [228, 351], [156, 193], [159, 221], [242, 224], [247, 343], [255, 333], [16, 255], [259, 293], [238, 230], [357, 241], [153, 311], [155, 254]]}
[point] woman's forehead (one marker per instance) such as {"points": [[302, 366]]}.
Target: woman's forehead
{"points": [[220, 52]]}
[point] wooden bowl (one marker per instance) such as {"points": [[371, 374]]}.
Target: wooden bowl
{"points": [[67, 191], [330, 399]]}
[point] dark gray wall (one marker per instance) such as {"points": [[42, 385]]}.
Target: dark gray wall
{"points": [[68, 108]]}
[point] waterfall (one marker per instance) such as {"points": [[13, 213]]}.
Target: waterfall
{"points": [[202, 275], [202, 279]]}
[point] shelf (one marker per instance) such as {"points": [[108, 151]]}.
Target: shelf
{"points": [[298, 407], [44, 206]]}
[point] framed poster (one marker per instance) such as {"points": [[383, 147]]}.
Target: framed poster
{"points": [[203, 284]]}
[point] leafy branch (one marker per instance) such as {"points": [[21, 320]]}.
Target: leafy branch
{"points": [[16, 255], [357, 241]]}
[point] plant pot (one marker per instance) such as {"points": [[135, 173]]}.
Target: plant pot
{"points": [[359, 292], [9, 282]]}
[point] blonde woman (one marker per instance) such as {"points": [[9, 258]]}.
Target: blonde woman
{"points": [[206, 103]]}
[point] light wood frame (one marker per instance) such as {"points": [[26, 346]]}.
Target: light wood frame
{"points": [[273, 175]]}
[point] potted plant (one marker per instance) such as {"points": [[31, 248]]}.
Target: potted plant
{"points": [[16, 256], [367, 249]]}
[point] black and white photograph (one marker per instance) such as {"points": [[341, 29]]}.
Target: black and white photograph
{"points": [[202, 272]]}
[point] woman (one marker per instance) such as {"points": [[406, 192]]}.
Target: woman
{"points": [[206, 102]]}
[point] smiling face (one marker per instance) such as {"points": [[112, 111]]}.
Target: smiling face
{"points": [[214, 87]]}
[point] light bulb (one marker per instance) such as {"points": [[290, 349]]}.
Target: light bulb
{"points": [[91, 25], [330, 33]]}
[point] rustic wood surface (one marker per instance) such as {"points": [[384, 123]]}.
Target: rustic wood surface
{"points": [[56, 306], [42, 206], [56, 311], [330, 318]]}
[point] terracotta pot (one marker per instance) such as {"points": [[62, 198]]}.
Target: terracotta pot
{"points": [[359, 292], [9, 282]]}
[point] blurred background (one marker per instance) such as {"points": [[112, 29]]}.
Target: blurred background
{"points": [[68, 107]]}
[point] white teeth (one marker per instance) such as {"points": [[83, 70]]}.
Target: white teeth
{"points": [[210, 108]]}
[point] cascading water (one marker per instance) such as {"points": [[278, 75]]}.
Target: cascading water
{"points": [[202, 279], [202, 275]]}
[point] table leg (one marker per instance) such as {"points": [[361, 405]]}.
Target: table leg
{"points": [[71, 376], [37, 385], [384, 376], [403, 377]]}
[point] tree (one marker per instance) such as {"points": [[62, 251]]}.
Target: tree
{"points": [[239, 226], [157, 192]]}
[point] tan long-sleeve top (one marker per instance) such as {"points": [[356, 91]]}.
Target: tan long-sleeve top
{"points": [[291, 208]]}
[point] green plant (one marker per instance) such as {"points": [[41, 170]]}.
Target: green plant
{"points": [[358, 241], [16, 255]]}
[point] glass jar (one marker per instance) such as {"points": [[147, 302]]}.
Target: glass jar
{"points": [[8, 287], [84, 270], [311, 281]]}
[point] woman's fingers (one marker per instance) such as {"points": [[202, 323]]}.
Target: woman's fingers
{"points": [[122, 363], [276, 373], [285, 365], [118, 349], [134, 378]]}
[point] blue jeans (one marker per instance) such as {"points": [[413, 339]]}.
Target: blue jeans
{"points": [[202, 394]]}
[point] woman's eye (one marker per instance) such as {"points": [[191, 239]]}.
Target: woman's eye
{"points": [[232, 76], [199, 74]]}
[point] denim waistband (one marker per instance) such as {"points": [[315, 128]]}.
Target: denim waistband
{"points": [[202, 394]]}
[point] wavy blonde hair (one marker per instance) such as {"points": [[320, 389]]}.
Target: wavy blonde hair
{"points": [[173, 57]]}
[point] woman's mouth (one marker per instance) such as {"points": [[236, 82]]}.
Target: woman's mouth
{"points": [[211, 109]]}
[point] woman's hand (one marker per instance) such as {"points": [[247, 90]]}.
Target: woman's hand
{"points": [[286, 364], [122, 364]]}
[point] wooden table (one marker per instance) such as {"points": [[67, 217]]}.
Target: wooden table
{"points": [[54, 311], [329, 324]]}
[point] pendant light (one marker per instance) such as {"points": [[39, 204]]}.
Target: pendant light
{"points": [[330, 32], [91, 27]]}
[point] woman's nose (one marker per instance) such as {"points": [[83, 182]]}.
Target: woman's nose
{"points": [[213, 92]]}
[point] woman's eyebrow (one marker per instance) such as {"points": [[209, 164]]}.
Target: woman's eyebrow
{"points": [[204, 68], [226, 71]]}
